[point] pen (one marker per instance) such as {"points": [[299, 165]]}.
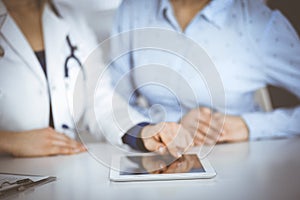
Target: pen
{"points": [[23, 185]]}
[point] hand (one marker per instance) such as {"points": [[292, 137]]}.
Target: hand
{"points": [[234, 129], [167, 136], [197, 122], [42, 142], [156, 165], [209, 128]]}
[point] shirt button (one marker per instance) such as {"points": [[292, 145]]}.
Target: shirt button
{"points": [[1, 52]]}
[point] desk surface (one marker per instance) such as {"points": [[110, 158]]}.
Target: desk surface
{"points": [[256, 170]]}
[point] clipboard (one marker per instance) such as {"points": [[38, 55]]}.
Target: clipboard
{"points": [[11, 184]]}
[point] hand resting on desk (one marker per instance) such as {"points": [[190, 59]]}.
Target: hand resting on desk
{"points": [[212, 127], [41, 142]]}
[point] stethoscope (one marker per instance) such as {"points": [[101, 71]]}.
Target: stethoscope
{"points": [[70, 57], [73, 56]]}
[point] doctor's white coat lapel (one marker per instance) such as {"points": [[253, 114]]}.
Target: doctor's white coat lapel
{"points": [[55, 33], [13, 35]]}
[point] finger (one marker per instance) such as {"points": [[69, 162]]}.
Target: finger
{"points": [[64, 143], [65, 140], [61, 144], [217, 122], [177, 139], [171, 145], [204, 115], [185, 141], [199, 136], [205, 110], [208, 131], [193, 130], [82, 146], [61, 136], [174, 151], [212, 125], [58, 150], [213, 120], [152, 144], [198, 143], [222, 138], [199, 139], [206, 135], [203, 139]]}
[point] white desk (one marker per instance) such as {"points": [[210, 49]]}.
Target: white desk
{"points": [[256, 170]]}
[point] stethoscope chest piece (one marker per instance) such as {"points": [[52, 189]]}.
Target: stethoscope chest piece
{"points": [[1, 52]]}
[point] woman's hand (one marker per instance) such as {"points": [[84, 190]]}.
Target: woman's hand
{"points": [[42, 142], [167, 137]]}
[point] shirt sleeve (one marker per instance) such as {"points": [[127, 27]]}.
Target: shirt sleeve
{"points": [[279, 47], [125, 114], [121, 55], [133, 137]]}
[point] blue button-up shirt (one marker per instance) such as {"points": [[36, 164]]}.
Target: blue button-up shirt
{"points": [[251, 46]]}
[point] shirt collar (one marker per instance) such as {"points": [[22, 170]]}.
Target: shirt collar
{"points": [[213, 12], [216, 11]]}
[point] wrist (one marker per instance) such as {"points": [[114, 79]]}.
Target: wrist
{"points": [[245, 129], [144, 132], [134, 137], [8, 142]]}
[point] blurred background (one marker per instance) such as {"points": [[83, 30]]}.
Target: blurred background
{"points": [[290, 8], [100, 18]]}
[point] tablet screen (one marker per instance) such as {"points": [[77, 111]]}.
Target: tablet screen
{"points": [[157, 164]]}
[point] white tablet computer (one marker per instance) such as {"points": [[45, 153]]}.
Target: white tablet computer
{"points": [[145, 167]]}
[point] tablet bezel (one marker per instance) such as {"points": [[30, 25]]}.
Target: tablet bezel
{"points": [[115, 171]]}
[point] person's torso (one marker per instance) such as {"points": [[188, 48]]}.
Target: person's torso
{"points": [[26, 93]]}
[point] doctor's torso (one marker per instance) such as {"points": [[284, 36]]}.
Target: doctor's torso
{"points": [[25, 90]]}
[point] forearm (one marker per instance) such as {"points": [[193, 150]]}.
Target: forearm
{"points": [[279, 123], [6, 141]]}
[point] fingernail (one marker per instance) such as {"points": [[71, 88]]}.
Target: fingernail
{"points": [[161, 165], [179, 154], [76, 150], [83, 147], [161, 149]]}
